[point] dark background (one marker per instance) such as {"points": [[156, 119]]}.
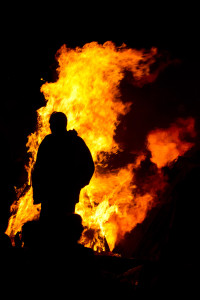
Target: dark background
{"points": [[30, 37]]}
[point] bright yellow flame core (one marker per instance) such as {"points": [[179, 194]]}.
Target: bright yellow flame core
{"points": [[87, 91]]}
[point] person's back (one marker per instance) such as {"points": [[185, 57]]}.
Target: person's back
{"points": [[64, 165]]}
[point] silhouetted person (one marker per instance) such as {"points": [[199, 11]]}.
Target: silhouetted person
{"points": [[63, 167]]}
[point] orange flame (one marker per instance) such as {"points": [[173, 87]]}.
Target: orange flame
{"points": [[87, 91], [166, 145]]}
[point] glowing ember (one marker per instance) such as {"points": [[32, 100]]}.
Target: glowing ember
{"points": [[87, 91]]}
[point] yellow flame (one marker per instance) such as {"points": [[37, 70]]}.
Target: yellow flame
{"points": [[87, 91]]}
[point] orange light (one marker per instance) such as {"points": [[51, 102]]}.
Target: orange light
{"points": [[87, 91], [166, 145]]}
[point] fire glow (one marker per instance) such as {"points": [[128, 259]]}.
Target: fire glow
{"points": [[87, 91]]}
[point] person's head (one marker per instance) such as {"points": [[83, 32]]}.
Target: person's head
{"points": [[58, 122]]}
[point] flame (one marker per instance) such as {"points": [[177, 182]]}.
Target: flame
{"points": [[117, 212], [87, 91], [166, 145]]}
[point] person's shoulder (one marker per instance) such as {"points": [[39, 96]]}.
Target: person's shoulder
{"points": [[76, 139], [47, 139], [48, 136], [73, 134], [80, 141]]}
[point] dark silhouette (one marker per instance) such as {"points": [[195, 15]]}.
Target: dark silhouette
{"points": [[53, 258], [72, 228], [31, 232], [63, 167]]}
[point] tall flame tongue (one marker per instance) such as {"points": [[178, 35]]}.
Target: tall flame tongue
{"points": [[87, 91]]}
